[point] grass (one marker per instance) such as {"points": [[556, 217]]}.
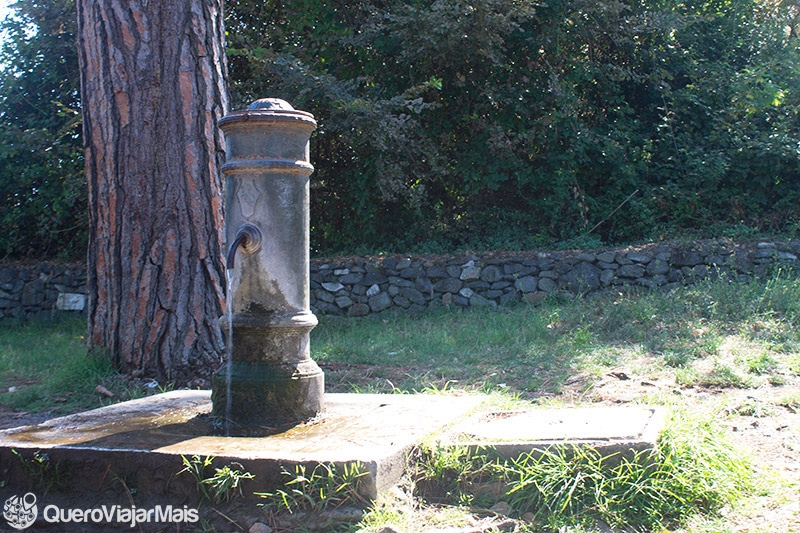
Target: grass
{"points": [[317, 489], [222, 485], [714, 335], [44, 366], [694, 472]]}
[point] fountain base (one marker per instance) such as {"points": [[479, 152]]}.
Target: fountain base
{"points": [[265, 397], [142, 442]]}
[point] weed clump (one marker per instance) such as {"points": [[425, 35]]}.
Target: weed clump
{"points": [[222, 485], [314, 490], [692, 470]]}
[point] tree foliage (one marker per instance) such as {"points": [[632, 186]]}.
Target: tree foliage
{"points": [[42, 189], [508, 123], [448, 124]]}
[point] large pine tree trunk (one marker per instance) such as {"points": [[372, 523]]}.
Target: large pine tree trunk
{"points": [[153, 90]]}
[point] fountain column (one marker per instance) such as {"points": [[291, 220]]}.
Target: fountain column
{"points": [[274, 383]]}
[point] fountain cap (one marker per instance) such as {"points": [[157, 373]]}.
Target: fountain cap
{"points": [[267, 112], [270, 104]]}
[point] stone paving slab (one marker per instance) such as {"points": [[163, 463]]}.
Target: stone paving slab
{"points": [[617, 429], [143, 441], [146, 438]]}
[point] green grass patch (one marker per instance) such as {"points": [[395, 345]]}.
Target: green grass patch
{"points": [[692, 471], [317, 489], [478, 349], [791, 401], [714, 333], [793, 363], [44, 366]]}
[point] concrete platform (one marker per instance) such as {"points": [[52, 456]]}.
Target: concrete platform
{"points": [[609, 430], [140, 443]]}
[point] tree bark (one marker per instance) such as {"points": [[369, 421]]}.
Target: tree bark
{"points": [[153, 77]]}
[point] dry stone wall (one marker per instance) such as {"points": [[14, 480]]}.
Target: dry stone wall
{"points": [[359, 287], [39, 290], [364, 286]]}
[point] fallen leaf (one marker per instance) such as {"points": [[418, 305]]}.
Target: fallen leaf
{"points": [[104, 391]]}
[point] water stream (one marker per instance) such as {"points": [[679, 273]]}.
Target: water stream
{"points": [[228, 349]]}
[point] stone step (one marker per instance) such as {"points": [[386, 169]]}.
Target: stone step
{"points": [[620, 430]]}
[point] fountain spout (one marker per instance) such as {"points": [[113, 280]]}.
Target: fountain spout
{"points": [[248, 237]]}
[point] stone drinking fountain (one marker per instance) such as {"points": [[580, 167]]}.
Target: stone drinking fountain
{"points": [[271, 382], [270, 394]]}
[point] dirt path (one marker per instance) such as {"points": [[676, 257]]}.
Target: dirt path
{"points": [[763, 422]]}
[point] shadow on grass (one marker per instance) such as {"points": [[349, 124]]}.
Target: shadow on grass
{"points": [[520, 349], [532, 351]]}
